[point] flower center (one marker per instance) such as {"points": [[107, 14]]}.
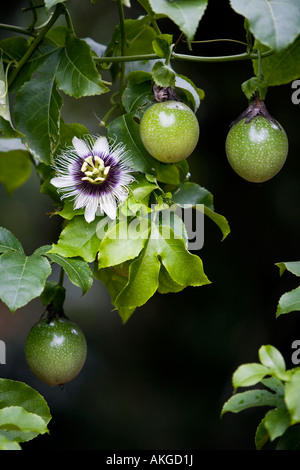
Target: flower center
{"points": [[94, 170]]}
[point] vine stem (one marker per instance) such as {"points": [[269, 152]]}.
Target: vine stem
{"points": [[123, 45], [57, 12], [185, 57], [61, 277]]}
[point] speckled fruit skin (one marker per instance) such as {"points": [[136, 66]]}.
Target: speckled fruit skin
{"points": [[256, 150], [169, 131], [55, 351]]}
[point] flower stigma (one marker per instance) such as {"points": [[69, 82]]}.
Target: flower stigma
{"points": [[94, 169]]}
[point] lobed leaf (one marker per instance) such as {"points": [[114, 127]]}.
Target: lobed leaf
{"points": [[162, 247]]}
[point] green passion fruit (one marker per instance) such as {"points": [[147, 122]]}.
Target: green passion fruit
{"points": [[55, 350], [169, 131], [256, 146]]}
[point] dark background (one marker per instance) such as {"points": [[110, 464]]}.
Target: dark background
{"points": [[160, 381]]}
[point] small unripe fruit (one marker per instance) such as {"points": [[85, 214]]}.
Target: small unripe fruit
{"points": [[55, 350], [169, 131]]}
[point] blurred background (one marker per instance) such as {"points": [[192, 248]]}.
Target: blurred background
{"points": [[160, 380]]}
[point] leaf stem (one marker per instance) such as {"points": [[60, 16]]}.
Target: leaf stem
{"points": [[68, 18], [34, 16], [58, 11], [16, 29]]}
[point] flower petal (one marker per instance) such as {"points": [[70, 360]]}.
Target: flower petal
{"points": [[109, 206], [101, 146], [81, 148], [62, 181], [91, 209]]}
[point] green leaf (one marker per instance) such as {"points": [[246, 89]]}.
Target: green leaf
{"points": [[37, 111], [218, 219], [186, 14], [292, 391], [67, 132], [282, 67], [193, 94], [13, 47], [141, 188], [23, 278], [121, 243], [289, 302], [46, 48], [76, 269], [127, 131], [8, 242], [161, 45], [290, 440], [163, 75], [168, 173], [274, 384], [272, 358], [277, 422], [275, 24], [255, 85], [137, 95], [14, 393], [163, 247], [249, 399], [54, 294], [68, 212], [15, 169], [114, 283], [196, 196], [261, 436], [78, 239], [292, 266], [192, 194], [77, 74], [139, 37], [5, 444], [249, 374], [166, 283], [16, 418]]}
